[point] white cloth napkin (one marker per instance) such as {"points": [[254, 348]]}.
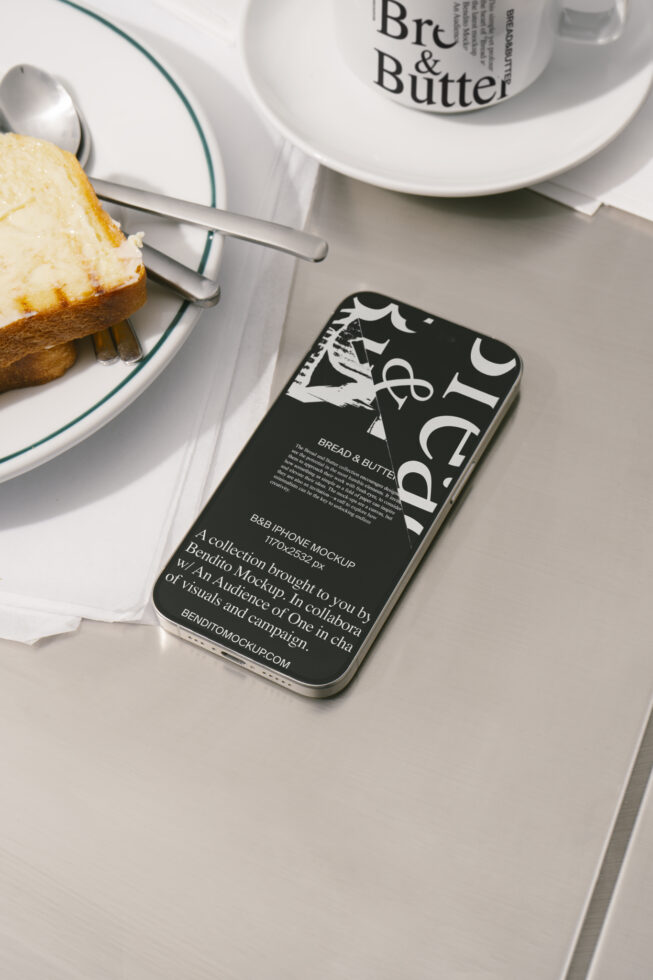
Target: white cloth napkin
{"points": [[85, 534], [621, 175]]}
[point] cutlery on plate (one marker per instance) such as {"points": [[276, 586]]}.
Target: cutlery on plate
{"points": [[104, 347], [35, 103], [34, 98]]}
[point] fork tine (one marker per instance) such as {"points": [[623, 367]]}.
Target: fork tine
{"points": [[104, 347], [127, 342]]}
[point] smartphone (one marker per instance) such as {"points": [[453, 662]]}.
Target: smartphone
{"points": [[297, 559]]}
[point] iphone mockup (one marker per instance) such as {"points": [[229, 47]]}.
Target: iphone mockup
{"points": [[297, 559]]}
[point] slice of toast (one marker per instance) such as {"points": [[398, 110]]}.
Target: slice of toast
{"points": [[38, 368], [66, 269]]}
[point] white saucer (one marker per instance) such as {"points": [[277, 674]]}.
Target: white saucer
{"points": [[583, 100]]}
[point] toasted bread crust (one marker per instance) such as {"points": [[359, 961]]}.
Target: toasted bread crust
{"points": [[38, 368], [66, 323], [54, 311]]}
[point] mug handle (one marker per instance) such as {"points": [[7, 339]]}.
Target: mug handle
{"points": [[597, 28]]}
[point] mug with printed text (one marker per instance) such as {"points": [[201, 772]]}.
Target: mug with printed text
{"points": [[459, 55]]}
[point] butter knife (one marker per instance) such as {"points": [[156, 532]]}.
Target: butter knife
{"points": [[298, 243]]}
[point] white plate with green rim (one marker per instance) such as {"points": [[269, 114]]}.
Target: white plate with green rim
{"points": [[147, 130]]}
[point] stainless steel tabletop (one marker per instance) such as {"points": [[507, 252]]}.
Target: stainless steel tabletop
{"points": [[462, 810]]}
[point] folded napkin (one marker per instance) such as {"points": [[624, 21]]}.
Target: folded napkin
{"points": [[620, 175], [84, 535]]}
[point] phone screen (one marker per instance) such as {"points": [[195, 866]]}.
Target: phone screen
{"points": [[296, 560]]}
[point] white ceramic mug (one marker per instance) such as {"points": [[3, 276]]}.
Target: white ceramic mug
{"points": [[459, 55]]}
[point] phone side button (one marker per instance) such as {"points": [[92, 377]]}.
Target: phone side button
{"points": [[464, 480], [233, 659]]}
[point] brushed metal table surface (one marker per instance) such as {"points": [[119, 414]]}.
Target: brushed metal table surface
{"points": [[165, 815]]}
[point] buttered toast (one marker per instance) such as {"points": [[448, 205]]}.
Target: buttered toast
{"points": [[66, 269]]}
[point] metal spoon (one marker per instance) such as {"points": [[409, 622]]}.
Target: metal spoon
{"points": [[35, 104], [30, 93]]}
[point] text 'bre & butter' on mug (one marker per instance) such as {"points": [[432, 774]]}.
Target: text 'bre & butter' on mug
{"points": [[459, 55]]}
